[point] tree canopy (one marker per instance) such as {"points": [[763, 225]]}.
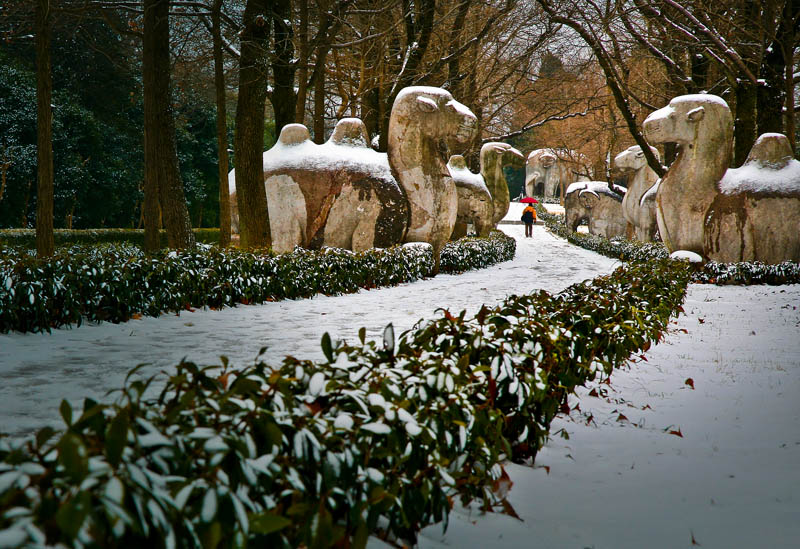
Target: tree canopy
{"points": [[537, 73]]}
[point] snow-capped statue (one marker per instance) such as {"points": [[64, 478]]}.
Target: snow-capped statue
{"points": [[750, 213], [599, 204], [344, 194], [340, 194], [639, 203]]}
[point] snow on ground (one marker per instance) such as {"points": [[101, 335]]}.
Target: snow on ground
{"points": [[726, 378]]}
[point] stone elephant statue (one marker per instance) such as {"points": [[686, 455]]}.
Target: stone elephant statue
{"points": [[549, 172], [599, 204]]}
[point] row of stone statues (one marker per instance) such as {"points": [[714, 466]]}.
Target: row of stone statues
{"points": [[344, 194], [751, 213]]}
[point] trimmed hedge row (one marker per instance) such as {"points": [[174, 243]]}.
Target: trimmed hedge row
{"points": [[377, 439], [617, 248], [114, 283], [475, 253], [787, 272], [712, 272], [26, 238]]}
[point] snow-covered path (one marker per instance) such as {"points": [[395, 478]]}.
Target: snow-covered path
{"points": [[38, 370]]}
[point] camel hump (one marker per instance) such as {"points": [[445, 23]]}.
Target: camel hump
{"points": [[771, 150], [293, 134], [351, 132]]}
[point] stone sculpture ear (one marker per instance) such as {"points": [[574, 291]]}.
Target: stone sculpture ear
{"points": [[696, 115], [425, 104]]}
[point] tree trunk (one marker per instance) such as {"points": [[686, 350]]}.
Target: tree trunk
{"points": [[771, 90], [222, 130], [302, 75], [319, 104], [370, 109], [744, 128], [283, 97], [248, 141], [162, 173], [45, 245]]}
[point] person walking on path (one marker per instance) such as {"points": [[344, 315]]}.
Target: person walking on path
{"points": [[529, 218]]}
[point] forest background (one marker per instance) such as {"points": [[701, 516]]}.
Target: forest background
{"points": [[123, 113]]}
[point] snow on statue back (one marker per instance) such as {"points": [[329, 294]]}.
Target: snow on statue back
{"points": [[549, 172], [494, 156], [599, 204], [747, 214], [639, 203], [425, 125], [339, 194], [474, 199]]}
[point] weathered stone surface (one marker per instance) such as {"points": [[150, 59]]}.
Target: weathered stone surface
{"points": [[597, 203], [474, 200], [494, 156], [750, 213], [639, 204], [549, 172], [339, 194], [426, 126]]}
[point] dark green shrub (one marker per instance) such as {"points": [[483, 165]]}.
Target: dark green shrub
{"points": [[113, 283], [712, 272], [26, 238]]}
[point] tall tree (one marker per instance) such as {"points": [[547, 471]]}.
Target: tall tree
{"points": [[222, 128], [44, 127], [249, 137], [162, 174], [283, 96]]}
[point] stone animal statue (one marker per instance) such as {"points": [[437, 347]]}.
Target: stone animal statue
{"points": [[340, 194], [639, 203], [549, 172], [750, 213], [494, 156], [599, 204], [474, 199], [426, 126]]}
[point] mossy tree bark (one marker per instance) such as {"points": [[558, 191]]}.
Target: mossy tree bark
{"points": [[222, 129], [162, 173]]}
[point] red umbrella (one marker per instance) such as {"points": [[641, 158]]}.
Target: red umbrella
{"points": [[529, 200]]}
